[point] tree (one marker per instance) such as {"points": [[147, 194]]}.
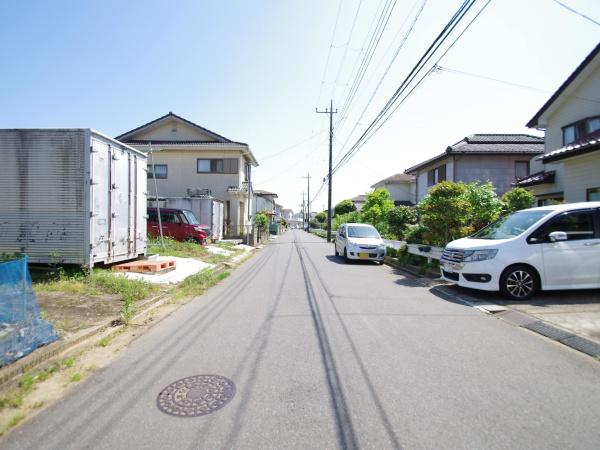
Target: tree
{"points": [[261, 221], [444, 212], [343, 207], [376, 208], [351, 217], [484, 206], [517, 199], [321, 217], [400, 218]]}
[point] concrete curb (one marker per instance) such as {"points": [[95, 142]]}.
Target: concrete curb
{"points": [[568, 338]]}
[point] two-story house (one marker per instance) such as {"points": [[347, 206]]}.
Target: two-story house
{"points": [[184, 157], [264, 201], [571, 119], [498, 158], [401, 186]]}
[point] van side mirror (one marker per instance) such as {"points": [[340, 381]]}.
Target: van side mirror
{"points": [[556, 236]]}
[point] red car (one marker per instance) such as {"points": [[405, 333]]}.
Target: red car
{"points": [[179, 224]]}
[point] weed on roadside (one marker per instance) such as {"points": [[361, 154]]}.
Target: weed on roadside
{"points": [[38, 405], [104, 341], [75, 377], [197, 284], [68, 363]]}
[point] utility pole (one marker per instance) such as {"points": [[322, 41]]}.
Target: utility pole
{"points": [[303, 216], [331, 112], [308, 202]]}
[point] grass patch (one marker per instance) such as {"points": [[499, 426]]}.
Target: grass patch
{"points": [[26, 383], [38, 405], [199, 283], [98, 282], [75, 377], [15, 420], [189, 250], [68, 363], [13, 399], [104, 341]]}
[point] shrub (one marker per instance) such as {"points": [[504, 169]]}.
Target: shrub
{"points": [[375, 210], [321, 217], [400, 218], [484, 206], [517, 199], [352, 217], [344, 207], [261, 221], [444, 211]]}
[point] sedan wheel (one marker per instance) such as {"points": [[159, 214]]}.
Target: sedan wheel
{"points": [[519, 283], [346, 255], [335, 250]]}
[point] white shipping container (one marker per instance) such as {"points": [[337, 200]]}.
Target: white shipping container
{"points": [[72, 196]]}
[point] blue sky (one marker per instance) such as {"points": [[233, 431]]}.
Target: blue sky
{"points": [[255, 71]]}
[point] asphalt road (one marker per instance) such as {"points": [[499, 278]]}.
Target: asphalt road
{"points": [[325, 354]]}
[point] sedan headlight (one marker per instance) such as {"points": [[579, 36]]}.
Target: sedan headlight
{"points": [[480, 255]]}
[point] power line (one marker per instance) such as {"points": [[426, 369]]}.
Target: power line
{"points": [[393, 103], [400, 46], [293, 146], [439, 40], [367, 57], [576, 12], [346, 49]]}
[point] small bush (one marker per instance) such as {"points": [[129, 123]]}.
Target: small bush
{"points": [[517, 199]]}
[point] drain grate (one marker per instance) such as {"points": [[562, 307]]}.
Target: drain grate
{"points": [[195, 396], [548, 330]]}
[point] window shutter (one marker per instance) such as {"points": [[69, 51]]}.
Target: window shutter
{"points": [[232, 165]]}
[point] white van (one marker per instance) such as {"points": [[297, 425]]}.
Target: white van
{"points": [[551, 247]]}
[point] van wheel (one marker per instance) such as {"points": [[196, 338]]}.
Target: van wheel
{"points": [[519, 283], [335, 250], [346, 256]]}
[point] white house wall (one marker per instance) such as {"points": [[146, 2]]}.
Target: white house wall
{"points": [[583, 172], [583, 102]]}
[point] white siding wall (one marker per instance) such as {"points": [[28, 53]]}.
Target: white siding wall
{"points": [[583, 102], [582, 172]]}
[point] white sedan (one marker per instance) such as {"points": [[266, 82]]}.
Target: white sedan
{"points": [[359, 241]]}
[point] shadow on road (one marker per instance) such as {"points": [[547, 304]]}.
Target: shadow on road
{"points": [[354, 262]]}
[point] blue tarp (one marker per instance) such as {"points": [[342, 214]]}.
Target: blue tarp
{"points": [[22, 330]]}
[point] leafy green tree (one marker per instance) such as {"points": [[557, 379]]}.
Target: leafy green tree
{"points": [[344, 207], [321, 217], [376, 208], [517, 199], [261, 221], [484, 206], [351, 217], [445, 212], [400, 218]]}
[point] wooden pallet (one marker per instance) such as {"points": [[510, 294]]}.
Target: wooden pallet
{"points": [[144, 266]]}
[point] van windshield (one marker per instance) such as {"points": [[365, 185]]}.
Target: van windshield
{"points": [[191, 218], [362, 232], [511, 225]]}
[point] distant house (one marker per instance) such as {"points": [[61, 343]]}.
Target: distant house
{"points": [[187, 157], [498, 158], [570, 168], [359, 201], [264, 201], [401, 186]]}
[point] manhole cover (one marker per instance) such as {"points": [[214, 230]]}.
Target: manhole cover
{"points": [[196, 396]]}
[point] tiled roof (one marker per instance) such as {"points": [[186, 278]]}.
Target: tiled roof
{"points": [[394, 179], [259, 192], [537, 178], [590, 143], [534, 120], [159, 142], [218, 137], [489, 144]]}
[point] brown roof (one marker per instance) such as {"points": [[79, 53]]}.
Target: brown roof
{"points": [[590, 143], [489, 144]]}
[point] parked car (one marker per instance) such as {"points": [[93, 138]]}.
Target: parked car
{"points": [[359, 241], [179, 224], [550, 247]]}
